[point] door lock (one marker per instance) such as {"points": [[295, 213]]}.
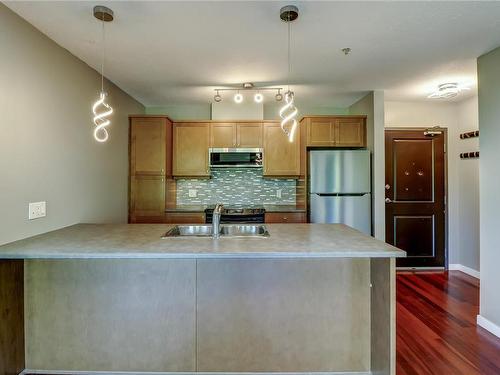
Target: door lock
{"points": [[387, 187]]}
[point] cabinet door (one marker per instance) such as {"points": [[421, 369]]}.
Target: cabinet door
{"points": [[148, 146], [191, 142], [285, 217], [281, 157], [147, 198], [249, 135], [185, 218], [350, 132], [320, 132], [222, 135]]}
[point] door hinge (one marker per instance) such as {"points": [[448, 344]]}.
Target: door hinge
{"points": [[444, 147]]}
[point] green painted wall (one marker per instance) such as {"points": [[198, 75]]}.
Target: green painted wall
{"points": [[203, 111]]}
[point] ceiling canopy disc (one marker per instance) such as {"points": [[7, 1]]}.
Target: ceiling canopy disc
{"points": [[289, 13], [103, 13]]}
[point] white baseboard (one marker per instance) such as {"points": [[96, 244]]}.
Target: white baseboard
{"points": [[464, 269], [488, 325]]}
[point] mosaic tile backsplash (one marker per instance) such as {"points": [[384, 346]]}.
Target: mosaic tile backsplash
{"points": [[244, 186]]}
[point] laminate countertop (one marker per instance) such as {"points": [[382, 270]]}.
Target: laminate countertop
{"points": [[144, 241]]}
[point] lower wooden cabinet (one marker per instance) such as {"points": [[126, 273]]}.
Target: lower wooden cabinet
{"points": [[147, 199], [285, 217], [281, 157], [185, 218]]}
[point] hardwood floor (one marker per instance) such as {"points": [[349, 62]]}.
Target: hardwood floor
{"points": [[436, 326]]}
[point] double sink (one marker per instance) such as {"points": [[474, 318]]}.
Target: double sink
{"points": [[226, 231]]}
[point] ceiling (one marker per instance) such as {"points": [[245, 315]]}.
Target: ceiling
{"points": [[178, 52]]}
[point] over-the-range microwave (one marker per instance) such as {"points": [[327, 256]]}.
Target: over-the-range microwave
{"points": [[235, 157]]}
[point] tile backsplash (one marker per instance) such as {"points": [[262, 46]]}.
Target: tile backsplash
{"points": [[244, 186]]}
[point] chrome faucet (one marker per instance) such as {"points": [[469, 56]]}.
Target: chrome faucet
{"points": [[216, 220]]}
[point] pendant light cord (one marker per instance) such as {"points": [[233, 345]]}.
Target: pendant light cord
{"points": [[103, 52], [289, 60]]}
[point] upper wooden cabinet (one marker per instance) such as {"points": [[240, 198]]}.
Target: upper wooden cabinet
{"points": [[230, 135], [281, 157], [341, 131], [149, 138], [249, 134], [350, 132], [191, 142]]}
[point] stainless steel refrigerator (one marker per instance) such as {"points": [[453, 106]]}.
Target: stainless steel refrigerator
{"points": [[340, 188]]}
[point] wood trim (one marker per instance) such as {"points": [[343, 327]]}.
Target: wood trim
{"points": [[11, 317]]}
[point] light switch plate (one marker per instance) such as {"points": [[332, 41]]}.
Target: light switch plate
{"points": [[37, 210], [193, 193]]}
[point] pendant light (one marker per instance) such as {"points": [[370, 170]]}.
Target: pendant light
{"points": [[100, 108], [288, 112]]}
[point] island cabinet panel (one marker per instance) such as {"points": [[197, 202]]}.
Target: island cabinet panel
{"points": [[133, 315], [281, 157], [147, 199], [11, 317], [383, 316], [148, 146], [269, 315], [191, 142]]}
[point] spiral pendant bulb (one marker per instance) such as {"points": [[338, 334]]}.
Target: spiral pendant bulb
{"points": [[102, 111], [288, 113]]}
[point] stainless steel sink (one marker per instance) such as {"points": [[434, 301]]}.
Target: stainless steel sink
{"points": [[189, 231], [244, 230], [228, 231]]}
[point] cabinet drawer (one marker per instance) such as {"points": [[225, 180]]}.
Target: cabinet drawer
{"points": [[285, 217], [185, 218]]}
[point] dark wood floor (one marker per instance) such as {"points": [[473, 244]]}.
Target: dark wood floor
{"points": [[436, 326]]}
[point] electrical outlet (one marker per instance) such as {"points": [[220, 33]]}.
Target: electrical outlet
{"points": [[193, 193], [278, 193], [37, 210]]}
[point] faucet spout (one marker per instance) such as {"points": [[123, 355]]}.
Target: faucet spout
{"points": [[216, 220]]}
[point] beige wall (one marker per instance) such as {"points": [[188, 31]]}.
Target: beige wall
{"points": [[47, 152], [372, 105], [463, 185], [489, 122]]}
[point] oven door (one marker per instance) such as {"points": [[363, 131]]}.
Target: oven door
{"points": [[235, 157]]}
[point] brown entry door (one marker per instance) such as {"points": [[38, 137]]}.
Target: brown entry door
{"points": [[415, 196]]}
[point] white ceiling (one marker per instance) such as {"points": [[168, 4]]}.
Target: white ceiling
{"points": [[178, 52]]}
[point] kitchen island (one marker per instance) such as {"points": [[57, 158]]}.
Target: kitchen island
{"points": [[309, 298]]}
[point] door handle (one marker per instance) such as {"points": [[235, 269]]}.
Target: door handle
{"points": [[388, 200]]}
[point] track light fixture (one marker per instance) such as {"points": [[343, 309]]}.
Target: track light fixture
{"points": [[238, 98], [245, 87]]}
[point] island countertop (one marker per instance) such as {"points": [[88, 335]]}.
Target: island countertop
{"points": [[143, 241]]}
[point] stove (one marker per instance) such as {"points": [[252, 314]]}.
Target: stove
{"points": [[241, 215]]}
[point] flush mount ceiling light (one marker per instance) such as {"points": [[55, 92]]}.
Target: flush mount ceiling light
{"points": [[447, 91], [248, 86], [288, 112], [100, 109]]}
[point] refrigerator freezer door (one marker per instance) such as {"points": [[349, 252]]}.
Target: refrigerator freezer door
{"points": [[340, 171], [354, 211]]}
